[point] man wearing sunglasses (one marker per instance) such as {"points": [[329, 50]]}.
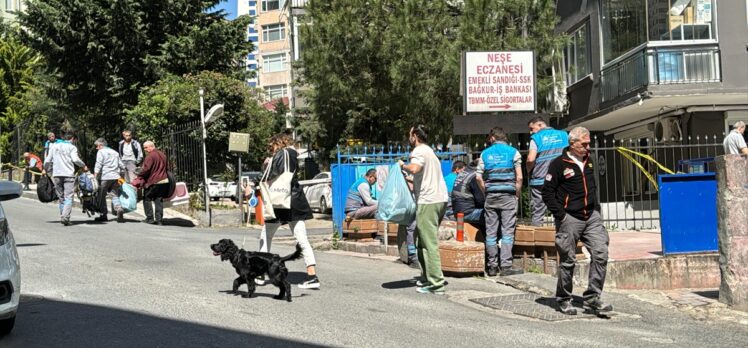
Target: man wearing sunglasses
{"points": [[570, 194]]}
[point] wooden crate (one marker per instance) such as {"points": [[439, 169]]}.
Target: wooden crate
{"points": [[360, 225], [545, 235], [363, 230], [462, 257], [391, 230], [524, 234]]}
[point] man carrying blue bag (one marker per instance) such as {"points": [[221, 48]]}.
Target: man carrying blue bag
{"points": [[109, 166], [431, 199]]}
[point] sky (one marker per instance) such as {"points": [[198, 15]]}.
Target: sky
{"points": [[228, 6]]}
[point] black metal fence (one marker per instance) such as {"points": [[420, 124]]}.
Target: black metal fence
{"points": [[183, 147]]}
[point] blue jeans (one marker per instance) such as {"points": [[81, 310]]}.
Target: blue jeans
{"points": [[475, 217]]}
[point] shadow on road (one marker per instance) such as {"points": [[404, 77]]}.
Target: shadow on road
{"points": [[178, 222], [23, 245], [49, 323], [399, 284]]}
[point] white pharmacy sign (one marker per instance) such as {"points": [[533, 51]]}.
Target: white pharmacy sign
{"points": [[499, 81]]}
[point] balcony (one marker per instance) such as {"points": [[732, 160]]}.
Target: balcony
{"points": [[299, 3], [298, 7], [660, 65]]}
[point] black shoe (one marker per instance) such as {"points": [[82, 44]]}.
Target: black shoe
{"points": [[120, 217], [598, 306], [492, 271], [156, 222], [509, 271], [310, 283], [65, 222], [102, 218], [147, 221], [566, 308]]}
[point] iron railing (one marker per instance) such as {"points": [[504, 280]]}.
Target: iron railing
{"points": [[670, 65], [183, 148], [625, 76], [660, 66]]}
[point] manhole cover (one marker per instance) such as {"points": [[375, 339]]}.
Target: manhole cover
{"points": [[533, 306]]}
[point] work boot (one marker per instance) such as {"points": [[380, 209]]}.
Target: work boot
{"points": [[566, 308], [508, 271], [597, 305], [491, 271]]}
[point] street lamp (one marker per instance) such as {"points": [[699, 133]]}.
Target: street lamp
{"points": [[213, 114]]}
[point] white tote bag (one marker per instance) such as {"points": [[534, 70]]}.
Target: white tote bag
{"points": [[279, 190]]}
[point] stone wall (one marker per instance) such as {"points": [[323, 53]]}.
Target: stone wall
{"points": [[732, 210]]}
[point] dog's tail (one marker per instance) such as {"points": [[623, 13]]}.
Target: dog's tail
{"points": [[296, 254]]}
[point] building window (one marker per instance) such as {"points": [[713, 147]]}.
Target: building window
{"points": [[275, 92], [272, 5], [624, 26], [678, 20], [576, 55], [273, 32], [274, 62]]}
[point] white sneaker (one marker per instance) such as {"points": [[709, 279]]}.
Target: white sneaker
{"points": [[260, 281], [312, 283]]}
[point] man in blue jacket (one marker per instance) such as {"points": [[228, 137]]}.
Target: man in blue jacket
{"points": [[499, 175], [546, 144], [359, 203]]}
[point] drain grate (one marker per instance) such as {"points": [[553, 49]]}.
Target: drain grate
{"points": [[533, 306]]}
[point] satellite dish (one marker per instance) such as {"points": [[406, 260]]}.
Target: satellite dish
{"points": [[214, 113]]}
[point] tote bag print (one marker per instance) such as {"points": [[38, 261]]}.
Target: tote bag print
{"points": [[280, 188]]}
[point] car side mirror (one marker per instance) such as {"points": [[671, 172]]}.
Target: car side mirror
{"points": [[10, 190]]}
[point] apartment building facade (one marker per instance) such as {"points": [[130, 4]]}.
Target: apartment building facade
{"points": [[7, 7], [662, 69]]}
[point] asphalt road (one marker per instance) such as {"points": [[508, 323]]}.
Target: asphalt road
{"points": [[136, 285]]}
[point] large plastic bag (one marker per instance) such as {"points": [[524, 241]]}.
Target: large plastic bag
{"points": [[128, 198], [45, 189], [396, 203]]}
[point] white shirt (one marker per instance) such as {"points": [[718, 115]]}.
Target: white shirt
{"points": [[576, 160], [127, 153], [734, 142], [428, 184]]}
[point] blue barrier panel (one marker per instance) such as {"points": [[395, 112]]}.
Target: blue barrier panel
{"points": [[688, 213], [345, 174]]}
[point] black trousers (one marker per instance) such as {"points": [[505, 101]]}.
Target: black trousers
{"points": [[107, 188], [27, 177], [154, 195]]}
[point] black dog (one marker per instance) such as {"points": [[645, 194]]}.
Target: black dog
{"points": [[251, 264]]}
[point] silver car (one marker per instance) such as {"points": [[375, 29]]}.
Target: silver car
{"points": [[318, 191], [10, 268]]}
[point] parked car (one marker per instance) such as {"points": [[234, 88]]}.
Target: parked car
{"points": [[10, 268], [318, 191], [218, 189]]}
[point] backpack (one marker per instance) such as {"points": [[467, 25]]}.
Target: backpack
{"points": [[45, 189], [87, 183]]}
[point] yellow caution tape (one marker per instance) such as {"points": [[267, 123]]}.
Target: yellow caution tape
{"points": [[627, 154]]}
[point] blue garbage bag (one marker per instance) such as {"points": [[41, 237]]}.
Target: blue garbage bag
{"points": [[128, 198], [396, 203]]}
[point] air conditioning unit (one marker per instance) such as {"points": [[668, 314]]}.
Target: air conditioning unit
{"points": [[668, 129]]}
